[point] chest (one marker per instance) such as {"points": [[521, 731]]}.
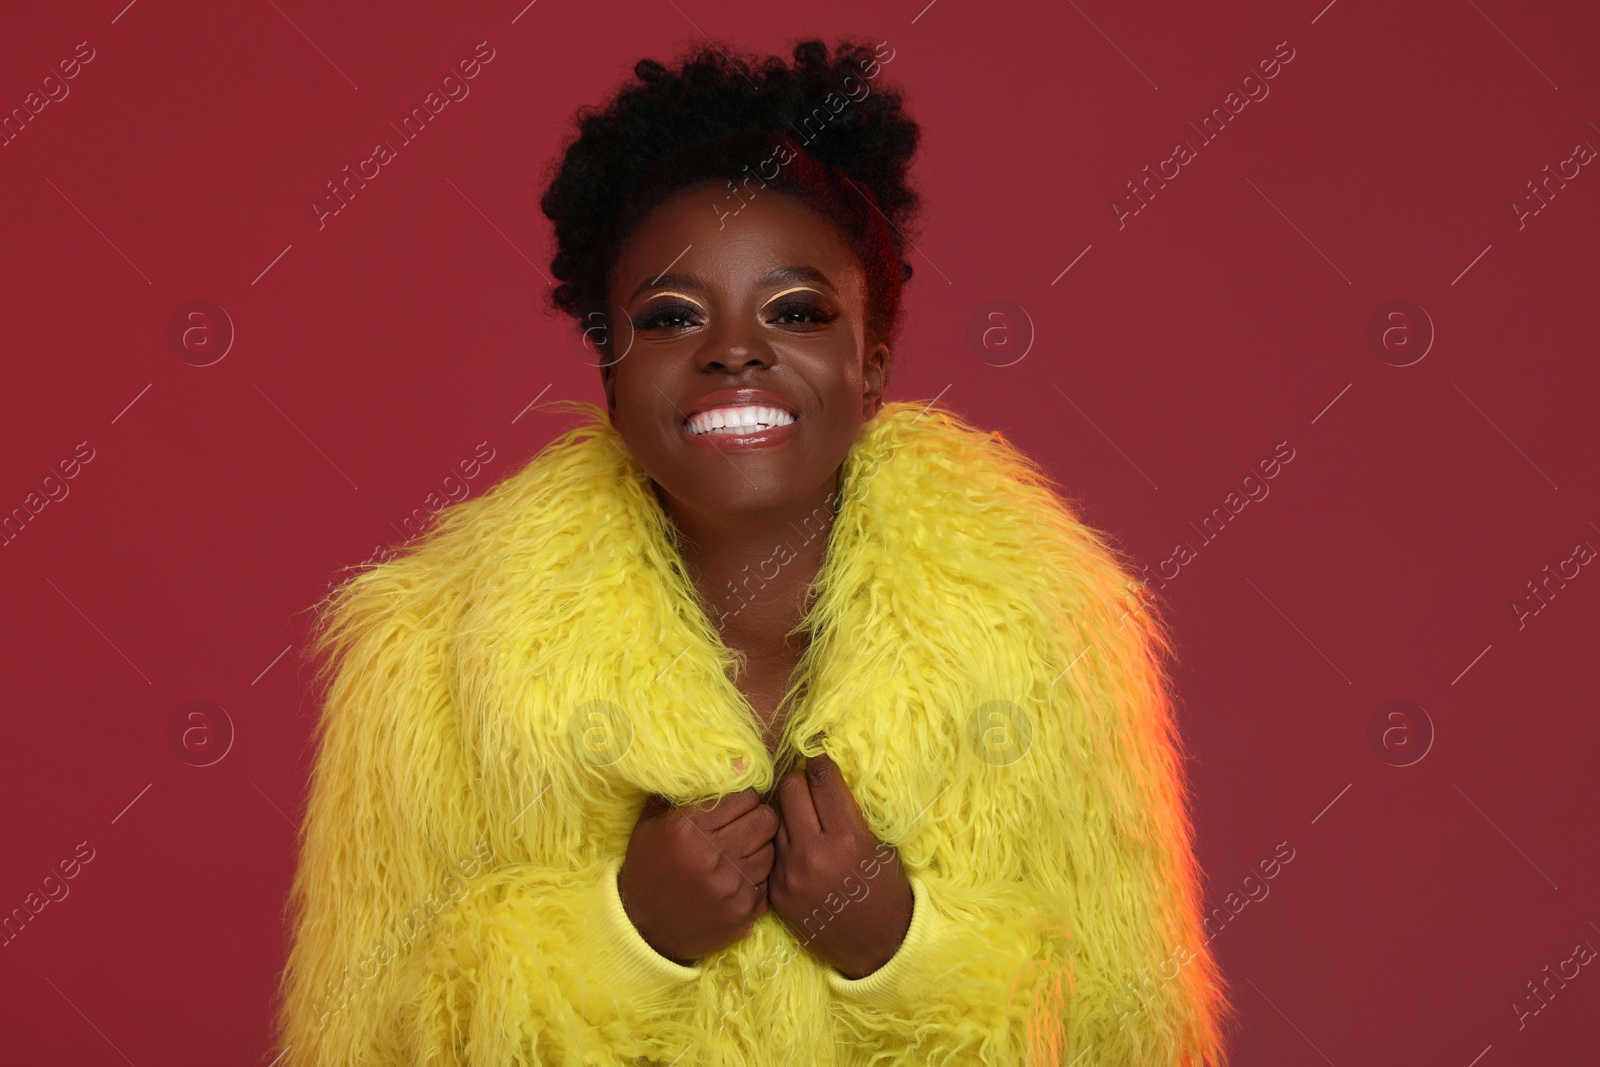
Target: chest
{"points": [[769, 662], [763, 687]]}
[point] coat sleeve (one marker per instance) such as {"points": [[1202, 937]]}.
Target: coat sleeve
{"points": [[411, 941], [1056, 914]]}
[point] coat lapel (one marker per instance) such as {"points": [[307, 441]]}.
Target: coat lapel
{"points": [[582, 633]]}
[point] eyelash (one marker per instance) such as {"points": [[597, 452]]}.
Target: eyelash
{"points": [[657, 318]]}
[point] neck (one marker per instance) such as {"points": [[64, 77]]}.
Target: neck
{"points": [[754, 569]]}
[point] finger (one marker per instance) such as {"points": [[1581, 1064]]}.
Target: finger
{"points": [[799, 813], [750, 832], [723, 810], [758, 866], [754, 900], [654, 805], [835, 805]]}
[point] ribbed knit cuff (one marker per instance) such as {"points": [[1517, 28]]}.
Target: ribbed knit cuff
{"points": [[621, 952], [890, 985]]}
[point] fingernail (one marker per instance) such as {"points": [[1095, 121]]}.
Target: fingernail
{"points": [[738, 765]]}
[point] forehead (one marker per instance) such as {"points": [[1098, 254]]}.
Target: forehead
{"points": [[709, 231]]}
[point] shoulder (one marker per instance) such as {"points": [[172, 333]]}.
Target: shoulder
{"points": [[969, 505]]}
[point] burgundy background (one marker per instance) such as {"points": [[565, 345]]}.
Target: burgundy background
{"points": [[1229, 315]]}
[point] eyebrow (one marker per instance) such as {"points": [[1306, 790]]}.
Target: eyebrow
{"points": [[773, 277]]}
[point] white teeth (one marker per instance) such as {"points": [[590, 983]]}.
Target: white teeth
{"points": [[745, 419]]}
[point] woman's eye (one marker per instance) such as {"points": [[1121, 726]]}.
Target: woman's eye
{"points": [[668, 316], [800, 312], [683, 316]]}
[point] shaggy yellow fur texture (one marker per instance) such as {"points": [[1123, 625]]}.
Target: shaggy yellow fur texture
{"points": [[500, 699]]}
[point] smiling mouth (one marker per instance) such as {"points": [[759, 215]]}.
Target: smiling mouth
{"points": [[743, 419]]}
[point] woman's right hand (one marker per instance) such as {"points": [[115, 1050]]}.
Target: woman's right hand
{"points": [[694, 879]]}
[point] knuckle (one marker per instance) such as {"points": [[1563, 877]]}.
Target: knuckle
{"points": [[727, 881], [694, 858], [708, 863], [674, 825]]}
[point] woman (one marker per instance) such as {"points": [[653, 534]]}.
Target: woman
{"points": [[755, 720]]}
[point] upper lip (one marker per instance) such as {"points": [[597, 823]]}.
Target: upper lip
{"points": [[728, 398]]}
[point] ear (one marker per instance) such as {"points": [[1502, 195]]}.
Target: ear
{"points": [[874, 368]]}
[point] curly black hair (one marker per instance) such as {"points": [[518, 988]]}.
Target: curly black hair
{"points": [[841, 145]]}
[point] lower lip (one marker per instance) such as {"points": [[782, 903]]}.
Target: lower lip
{"points": [[733, 442]]}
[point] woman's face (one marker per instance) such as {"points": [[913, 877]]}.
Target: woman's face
{"points": [[740, 320]]}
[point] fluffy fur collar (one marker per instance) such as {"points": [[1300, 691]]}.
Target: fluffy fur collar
{"points": [[954, 578]]}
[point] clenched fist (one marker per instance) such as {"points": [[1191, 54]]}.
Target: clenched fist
{"points": [[841, 891], [694, 879]]}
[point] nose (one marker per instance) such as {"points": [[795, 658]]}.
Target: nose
{"points": [[733, 347], [735, 359]]}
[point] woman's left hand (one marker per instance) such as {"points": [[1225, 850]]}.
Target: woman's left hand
{"points": [[840, 890]]}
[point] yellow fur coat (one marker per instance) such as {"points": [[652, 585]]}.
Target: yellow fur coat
{"points": [[501, 698]]}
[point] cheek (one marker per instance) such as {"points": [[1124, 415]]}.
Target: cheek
{"points": [[834, 385], [840, 372], [638, 393]]}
